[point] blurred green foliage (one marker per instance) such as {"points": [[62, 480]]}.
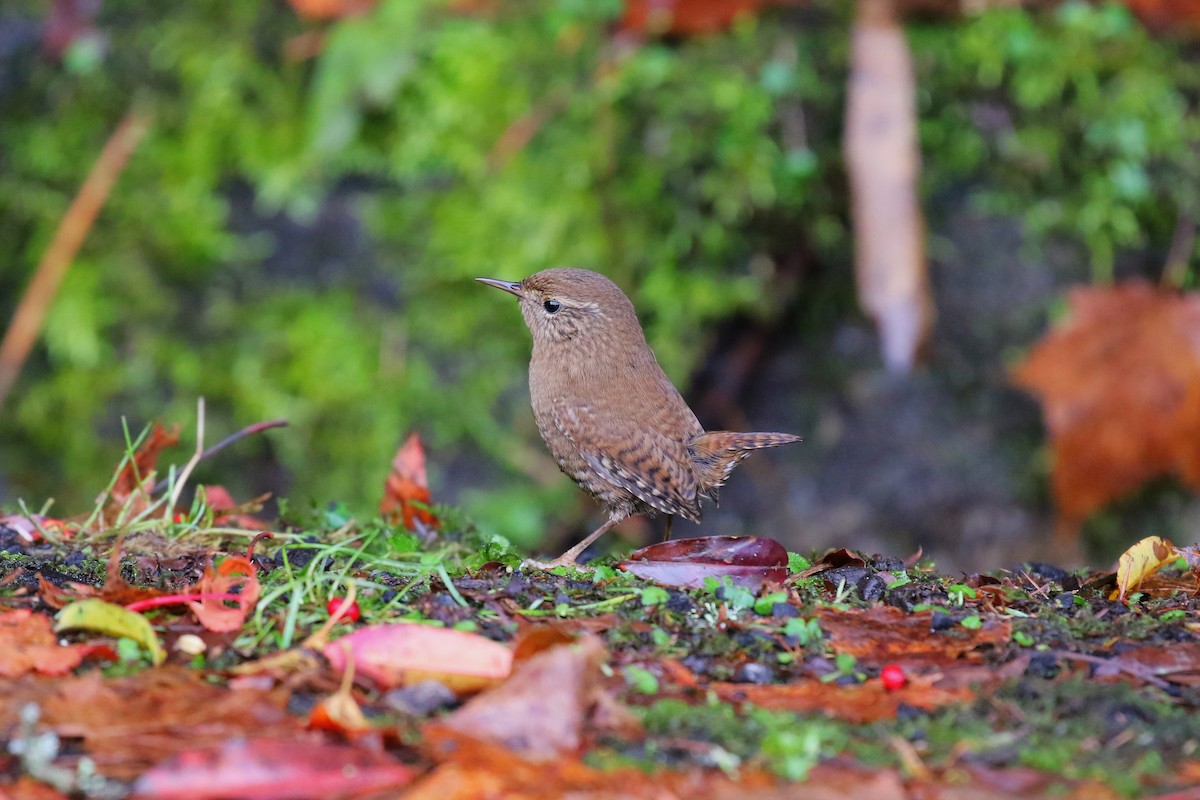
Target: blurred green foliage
{"points": [[1084, 124], [452, 146]]}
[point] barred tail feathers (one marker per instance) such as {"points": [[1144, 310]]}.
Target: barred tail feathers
{"points": [[715, 454]]}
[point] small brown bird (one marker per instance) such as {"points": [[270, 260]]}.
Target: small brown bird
{"points": [[610, 416]]}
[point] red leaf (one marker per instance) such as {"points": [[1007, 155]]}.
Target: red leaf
{"points": [[407, 486], [749, 561], [280, 769]]}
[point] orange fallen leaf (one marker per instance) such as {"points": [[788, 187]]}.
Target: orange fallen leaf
{"points": [[405, 652], [132, 489], [406, 494], [28, 644], [218, 585], [1119, 384]]}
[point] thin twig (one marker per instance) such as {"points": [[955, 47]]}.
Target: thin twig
{"points": [[72, 230], [192, 462], [1183, 244], [228, 440]]}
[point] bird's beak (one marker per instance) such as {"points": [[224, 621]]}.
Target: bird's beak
{"points": [[507, 286]]}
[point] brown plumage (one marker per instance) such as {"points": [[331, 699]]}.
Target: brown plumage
{"points": [[610, 416]]}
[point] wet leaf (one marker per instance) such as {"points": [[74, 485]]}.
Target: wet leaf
{"points": [[279, 769], [1119, 384], [749, 561], [28, 644], [111, 620], [403, 653], [406, 494], [539, 712], [1140, 562]]}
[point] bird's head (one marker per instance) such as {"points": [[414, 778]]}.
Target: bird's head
{"points": [[561, 304]]}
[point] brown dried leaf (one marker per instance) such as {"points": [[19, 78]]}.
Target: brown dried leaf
{"points": [[539, 712], [882, 634], [28, 644], [1119, 384]]}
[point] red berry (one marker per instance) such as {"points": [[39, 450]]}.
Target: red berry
{"points": [[335, 603], [893, 677]]}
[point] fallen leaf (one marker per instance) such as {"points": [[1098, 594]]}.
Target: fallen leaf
{"points": [[1119, 384], [273, 769], [131, 490], [109, 619], [404, 652], [406, 494], [229, 512], [1177, 662], [539, 712], [748, 561], [882, 634], [126, 725], [1140, 562], [235, 576], [28, 644]]}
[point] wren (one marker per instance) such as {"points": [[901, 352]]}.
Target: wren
{"points": [[612, 419]]}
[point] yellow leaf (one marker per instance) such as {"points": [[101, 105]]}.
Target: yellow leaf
{"points": [[112, 620], [1140, 562]]}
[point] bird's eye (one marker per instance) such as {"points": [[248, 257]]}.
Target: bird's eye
{"points": [[552, 306]]}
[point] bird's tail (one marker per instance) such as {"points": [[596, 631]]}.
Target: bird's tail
{"points": [[715, 454]]}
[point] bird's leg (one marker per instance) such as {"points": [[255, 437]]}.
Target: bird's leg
{"points": [[567, 559], [667, 532]]}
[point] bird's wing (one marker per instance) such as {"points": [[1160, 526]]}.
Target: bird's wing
{"points": [[647, 463]]}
